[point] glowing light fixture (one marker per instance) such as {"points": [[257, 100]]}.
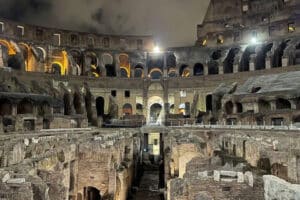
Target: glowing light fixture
{"points": [[254, 40], [156, 49]]}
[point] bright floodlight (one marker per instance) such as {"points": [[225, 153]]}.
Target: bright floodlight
{"points": [[253, 40], [156, 49]]}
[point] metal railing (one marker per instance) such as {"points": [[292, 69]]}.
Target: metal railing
{"points": [[255, 127]]}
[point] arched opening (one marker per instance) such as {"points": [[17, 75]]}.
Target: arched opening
{"points": [[25, 107], [278, 54], [172, 72], [127, 109], [56, 68], [44, 109], [198, 69], [28, 56], [91, 64], [282, 104], [5, 107], [77, 57], [139, 109], [171, 61], [155, 65], [239, 107], [264, 164], [124, 65], [155, 73], [229, 108], [155, 112], [263, 106], [184, 71], [138, 71], [185, 109], [213, 67], [261, 57], [46, 124], [67, 104], [296, 119], [110, 70], [245, 61], [77, 103], [60, 62], [229, 61], [92, 193], [15, 62], [213, 121], [280, 171], [172, 109], [100, 106], [209, 106]]}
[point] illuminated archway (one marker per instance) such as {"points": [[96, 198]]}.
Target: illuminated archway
{"points": [[11, 50], [30, 61], [91, 64], [184, 71], [124, 65], [171, 72], [198, 69], [108, 63], [127, 109], [77, 57], [155, 73], [60, 59], [139, 71], [156, 111]]}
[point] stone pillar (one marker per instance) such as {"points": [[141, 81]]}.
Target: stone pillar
{"points": [[293, 104], [14, 110], [252, 63], [221, 68], [268, 60], [285, 61], [205, 70], [256, 107], [146, 67], [273, 105], [165, 67], [235, 68]]}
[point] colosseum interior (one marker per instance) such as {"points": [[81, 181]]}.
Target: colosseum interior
{"points": [[104, 117]]}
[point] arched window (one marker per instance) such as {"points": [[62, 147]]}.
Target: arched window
{"points": [[229, 108], [100, 106], [5, 107], [282, 104], [245, 61], [198, 69], [127, 109], [25, 107]]}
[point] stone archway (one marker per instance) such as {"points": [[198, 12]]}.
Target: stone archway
{"points": [[92, 193], [156, 111]]}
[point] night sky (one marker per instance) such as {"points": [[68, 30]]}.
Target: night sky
{"points": [[172, 22]]}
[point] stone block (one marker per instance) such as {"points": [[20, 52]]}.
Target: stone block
{"points": [[5, 177], [203, 174], [241, 178], [16, 181], [249, 178], [228, 173], [217, 175]]}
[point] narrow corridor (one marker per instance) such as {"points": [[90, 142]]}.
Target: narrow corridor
{"points": [[148, 189]]}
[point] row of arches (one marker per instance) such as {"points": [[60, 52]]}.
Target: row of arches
{"points": [[24, 106], [263, 106]]}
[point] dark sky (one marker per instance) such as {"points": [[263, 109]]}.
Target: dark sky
{"points": [[172, 22]]}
